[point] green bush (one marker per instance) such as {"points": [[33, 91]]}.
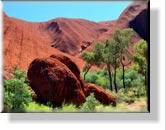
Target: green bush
{"points": [[90, 103], [16, 92], [141, 91], [98, 77], [18, 74], [130, 95]]}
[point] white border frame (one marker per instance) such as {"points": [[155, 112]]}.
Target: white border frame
{"points": [[155, 120]]}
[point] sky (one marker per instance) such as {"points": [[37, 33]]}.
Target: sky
{"points": [[39, 12]]}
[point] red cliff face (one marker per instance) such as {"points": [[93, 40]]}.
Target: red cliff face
{"points": [[134, 16], [67, 35], [24, 41]]}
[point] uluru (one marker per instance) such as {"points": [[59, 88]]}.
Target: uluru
{"points": [[24, 41], [97, 62]]}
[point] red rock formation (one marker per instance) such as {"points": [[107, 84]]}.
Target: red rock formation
{"points": [[24, 41], [140, 24], [109, 24], [69, 63], [68, 34], [128, 15], [100, 94], [52, 81]]}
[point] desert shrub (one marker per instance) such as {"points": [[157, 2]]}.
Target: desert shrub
{"points": [[124, 96], [103, 82], [140, 91], [132, 78], [16, 92], [18, 74], [130, 95], [90, 104]]}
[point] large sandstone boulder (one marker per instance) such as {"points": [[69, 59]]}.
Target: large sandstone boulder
{"points": [[69, 63], [100, 94], [53, 81]]}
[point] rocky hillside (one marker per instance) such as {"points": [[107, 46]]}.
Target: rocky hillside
{"points": [[25, 41]]}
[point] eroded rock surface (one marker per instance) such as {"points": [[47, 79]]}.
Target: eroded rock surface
{"points": [[100, 94], [53, 81]]}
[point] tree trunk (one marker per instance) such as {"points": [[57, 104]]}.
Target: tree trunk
{"points": [[116, 90], [145, 78], [110, 77], [123, 76], [87, 71]]}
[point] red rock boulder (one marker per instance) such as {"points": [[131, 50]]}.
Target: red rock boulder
{"points": [[53, 81], [69, 63], [100, 94]]}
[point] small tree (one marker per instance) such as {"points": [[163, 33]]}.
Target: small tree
{"points": [[92, 58], [125, 61], [90, 104], [123, 37], [107, 59], [115, 49], [121, 40], [110, 53], [89, 58]]}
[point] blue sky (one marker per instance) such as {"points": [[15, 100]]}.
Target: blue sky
{"points": [[38, 12]]}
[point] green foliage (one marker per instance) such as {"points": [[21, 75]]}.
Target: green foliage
{"points": [[140, 56], [120, 40], [130, 95], [36, 107], [88, 57], [140, 91], [90, 103], [18, 74], [98, 49], [16, 92], [93, 57], [132, 78], [141, 48], [102, 81], [69, 108], [91, 77], [109, 53]]}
